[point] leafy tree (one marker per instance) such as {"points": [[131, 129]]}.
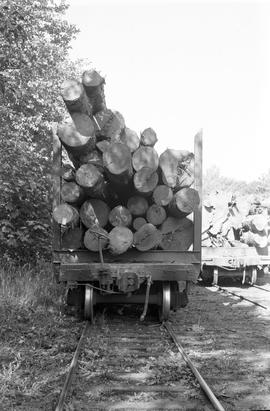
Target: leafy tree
{"points": [[35, 40]]}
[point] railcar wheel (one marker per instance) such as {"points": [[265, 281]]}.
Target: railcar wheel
{"points": [[254, 275], [89, 303], [164, 310]]}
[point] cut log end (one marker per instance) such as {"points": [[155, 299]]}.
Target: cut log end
{"points": [[130, 138], [162, 195], [120, 240], [147, 237], [156, 214], [184, 202], [148, 137], [66, 215], [137, 205], [120, 216], [96, 239], [94, 213], [138, 222], [145, 180], [145, 157]]}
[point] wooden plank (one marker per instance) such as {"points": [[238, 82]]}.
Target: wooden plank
{"points": [[56, 189], [91, 272], [198, 187], [130, 257]]}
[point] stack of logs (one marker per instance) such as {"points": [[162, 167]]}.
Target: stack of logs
{"points": [[231, 223], [116, 191]]}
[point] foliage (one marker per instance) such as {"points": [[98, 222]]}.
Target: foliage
{"points": [[35, 40], [214, 181]]}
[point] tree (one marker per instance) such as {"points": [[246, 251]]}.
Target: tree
{"points": [[35, 40]]}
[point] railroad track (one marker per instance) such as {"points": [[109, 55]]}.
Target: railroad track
{"points": [[122, 363], [236, 292]]}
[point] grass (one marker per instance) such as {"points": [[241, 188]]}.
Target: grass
{"points": [[29, 286], [37, 339]]}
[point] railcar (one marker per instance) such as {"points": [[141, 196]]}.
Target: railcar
{"points": [[155, 277]]}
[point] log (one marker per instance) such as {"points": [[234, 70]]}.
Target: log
{"points": [[109, 125], [259, 223], [72, 193], [180, 238], [75, 98], [138, 222], [145, 157], [91, 179], [95, 239], [120, 240], [145, 180], [147, 237], [72, 239], [93, 157], [130, 138], [184, 202], [93, 84], [66, 215], [259, 240], [172, 224], [117, 161], [156, 214], [162, 195], [120, 216], [177, 168], [78, 140], [94, 213], [68, 172], [148, 137], [103, 145], [137, 205]]}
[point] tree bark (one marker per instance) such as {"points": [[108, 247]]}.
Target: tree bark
{"points": [[93, 157], [109, 125], [96, 238], [162, 195], [68, 172], [130, 138], [138, 222], [75, 97], [94, 213], [93, 84], [184, 202], [137, 205], [156, 214], [147, 237], [120, 216], [148, 137], [120, 240], [145, 157], [117, 161], [66, 215], [177, 168], [72, 193], [145, 180], [78, 138]]}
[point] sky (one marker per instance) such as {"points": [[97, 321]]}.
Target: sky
{"points": [[179, 67]]}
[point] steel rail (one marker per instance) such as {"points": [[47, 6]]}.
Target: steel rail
{"points": [[205, 387], [72, 368], [260, 288], [240, 296]]}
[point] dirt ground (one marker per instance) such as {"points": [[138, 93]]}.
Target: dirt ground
{"points": [[228, 339]]}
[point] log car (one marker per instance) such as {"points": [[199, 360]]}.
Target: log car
{"points": [[232, 262], [154, 277]]}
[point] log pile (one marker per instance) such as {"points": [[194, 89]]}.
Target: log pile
{"points": [[117, 193], [230, 222]]}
